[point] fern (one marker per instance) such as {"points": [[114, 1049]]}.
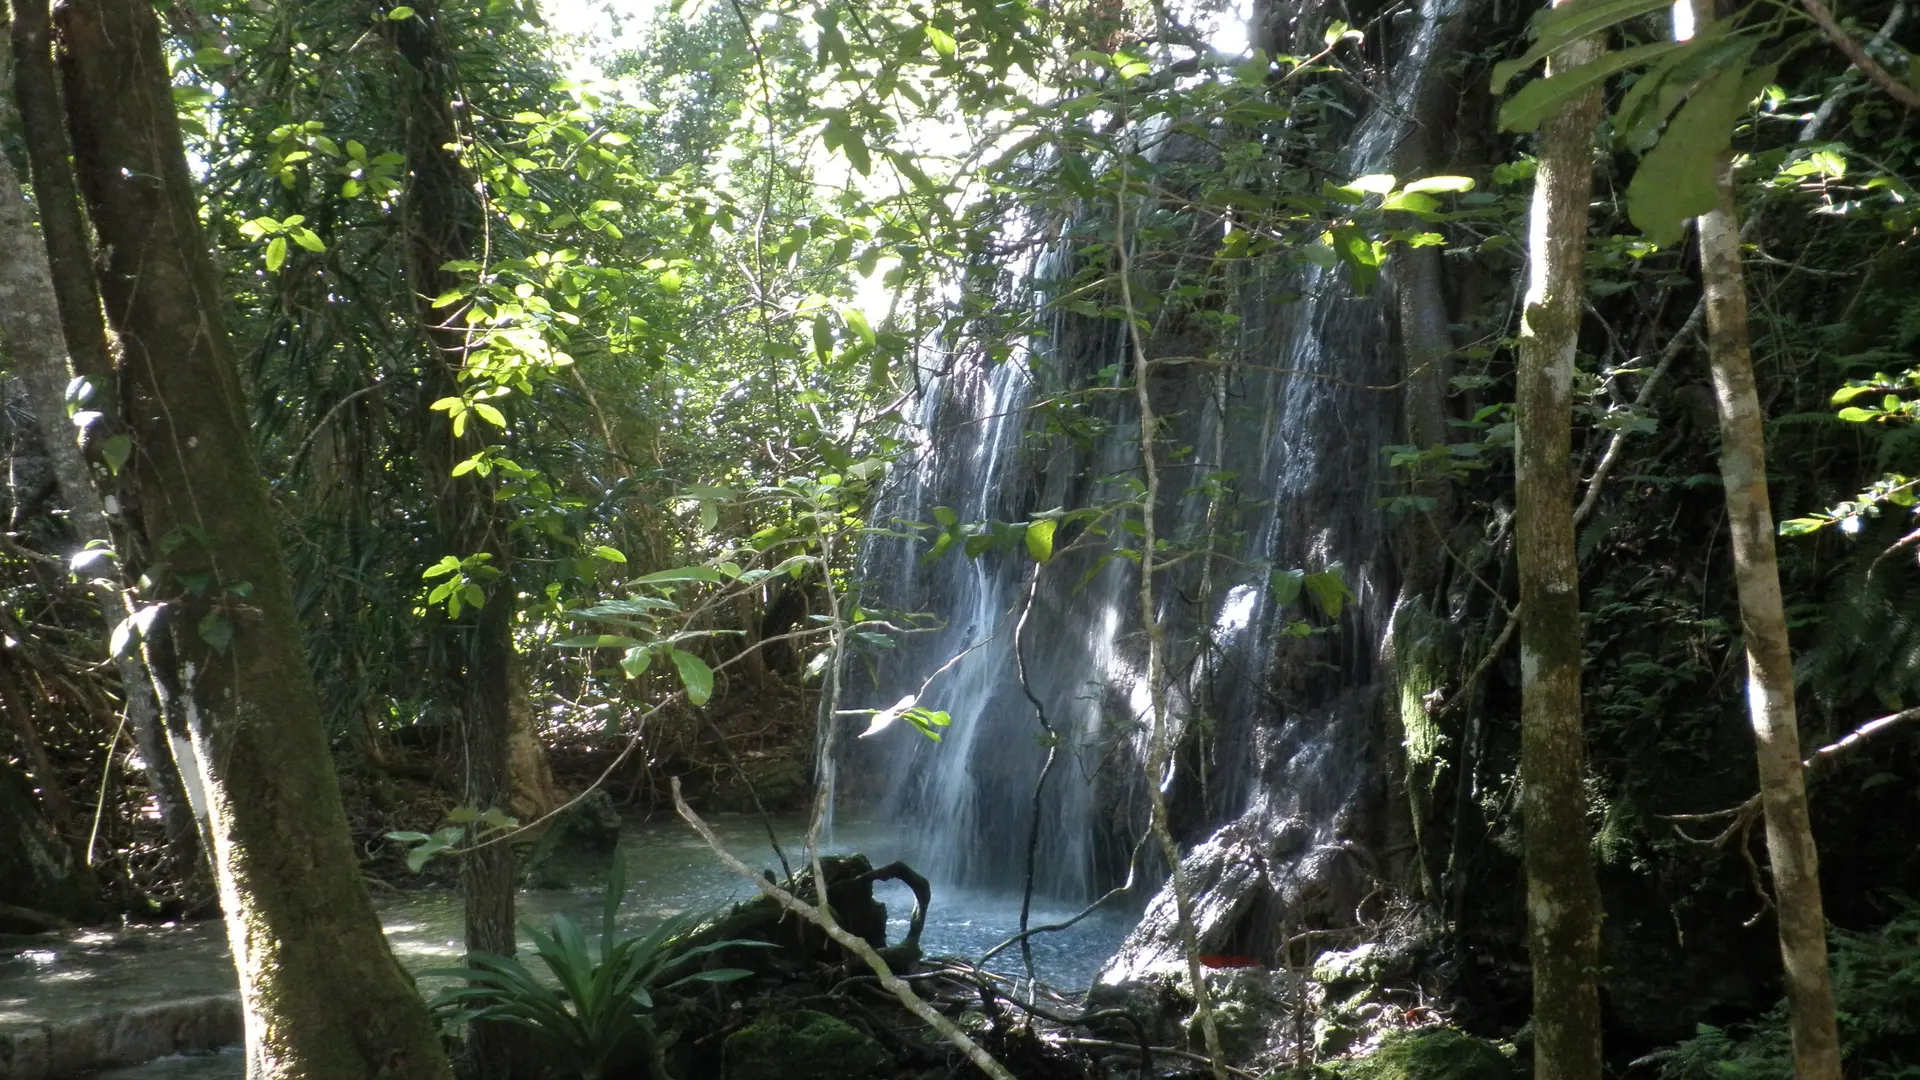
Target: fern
{"points": [[1876, 990]]}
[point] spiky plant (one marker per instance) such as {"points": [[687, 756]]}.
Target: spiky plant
{"points": [[599, 1013]]}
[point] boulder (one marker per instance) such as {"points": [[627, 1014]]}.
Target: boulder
{"points": [[42, 885], [1431, 1053], [803, 1045], [577, 849]]}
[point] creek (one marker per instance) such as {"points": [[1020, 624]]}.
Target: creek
{"points": [[670, 869]]}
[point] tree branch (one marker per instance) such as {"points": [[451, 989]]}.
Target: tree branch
{"points": [[894, 984], [1897, 90]]}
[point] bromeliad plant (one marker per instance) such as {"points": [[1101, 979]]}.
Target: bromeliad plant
{"points": [[599, 1014]]}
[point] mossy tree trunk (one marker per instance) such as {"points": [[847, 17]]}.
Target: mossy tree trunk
{"points": [[1763, 622], [322, 994], [443, 219], [57, 331], [1563, 897]]}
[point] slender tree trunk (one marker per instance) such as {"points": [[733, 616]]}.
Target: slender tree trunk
{"points": [[43, 348], [1763, 620], [443, 221], [322, 995], [1563, 898]]}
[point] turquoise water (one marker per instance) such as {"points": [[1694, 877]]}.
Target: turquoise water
{"points": [[670, 870]]}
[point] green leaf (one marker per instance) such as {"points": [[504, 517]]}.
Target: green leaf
{"points": [[1329, 590], [490, 414], [216, 630], [636, 661], [610, 554], [87, 557], [448, 564], [276, 253], [1040, 539], [1660, 89], [695, 675], [400, 14], [681, 573], [1676, 179], [856, 321], [943, 42], [1439, 183], [1286, 585], [945, 515], [1542, 98], [596, 641], [1561, 26], [115, 450], [1853, 414]]}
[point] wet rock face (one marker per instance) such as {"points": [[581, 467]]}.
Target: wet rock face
{"points": [[577, 849], [76, 1045], [804, 1045]]}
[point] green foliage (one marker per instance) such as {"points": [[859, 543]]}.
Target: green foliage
{"points": [[597, 1016], [803, 1045], [1436, 1053], [1876, 987]]}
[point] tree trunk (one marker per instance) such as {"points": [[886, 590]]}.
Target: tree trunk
{"points": [[322, 995], [48, 321], [1763, 620], [1563, 898], [475, 656]]}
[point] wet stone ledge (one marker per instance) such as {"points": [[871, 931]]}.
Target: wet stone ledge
{"points": [[86, 1042]]}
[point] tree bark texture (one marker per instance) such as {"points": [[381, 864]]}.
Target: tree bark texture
{"points": [[34, 316], [322, 995], [1563, 899], [443, 219], [1770, 703]]}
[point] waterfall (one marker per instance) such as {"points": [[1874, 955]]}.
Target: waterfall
{"points": [[1281, 805]]}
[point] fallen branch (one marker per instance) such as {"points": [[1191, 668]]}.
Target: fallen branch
{"points": [[1188, 1055], [894, 984]]}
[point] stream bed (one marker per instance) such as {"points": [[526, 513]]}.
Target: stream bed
{"points": [[669, 870]]}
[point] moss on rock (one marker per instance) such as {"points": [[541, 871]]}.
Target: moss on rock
{"points": [[1435, 1053], [803, 1045]]}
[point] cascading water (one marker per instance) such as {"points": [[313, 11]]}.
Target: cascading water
{"points": [[1280, 805]]}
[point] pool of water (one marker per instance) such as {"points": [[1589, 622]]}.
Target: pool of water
{"points": [[670, 870]]}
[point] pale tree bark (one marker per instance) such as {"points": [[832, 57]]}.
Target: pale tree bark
{"points": [[57, 331], [1563, 897], [1770, 700], [323, 997]]}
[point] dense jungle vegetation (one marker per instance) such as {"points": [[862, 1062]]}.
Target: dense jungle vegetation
{"points": [[437, 431]]}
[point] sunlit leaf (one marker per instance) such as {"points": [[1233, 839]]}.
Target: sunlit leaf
{"points": [[695, 675]]}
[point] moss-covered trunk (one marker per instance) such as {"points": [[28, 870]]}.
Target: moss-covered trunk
{"points": [[56, 331], [323, 996], [475, 654], [1563, 897]]}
